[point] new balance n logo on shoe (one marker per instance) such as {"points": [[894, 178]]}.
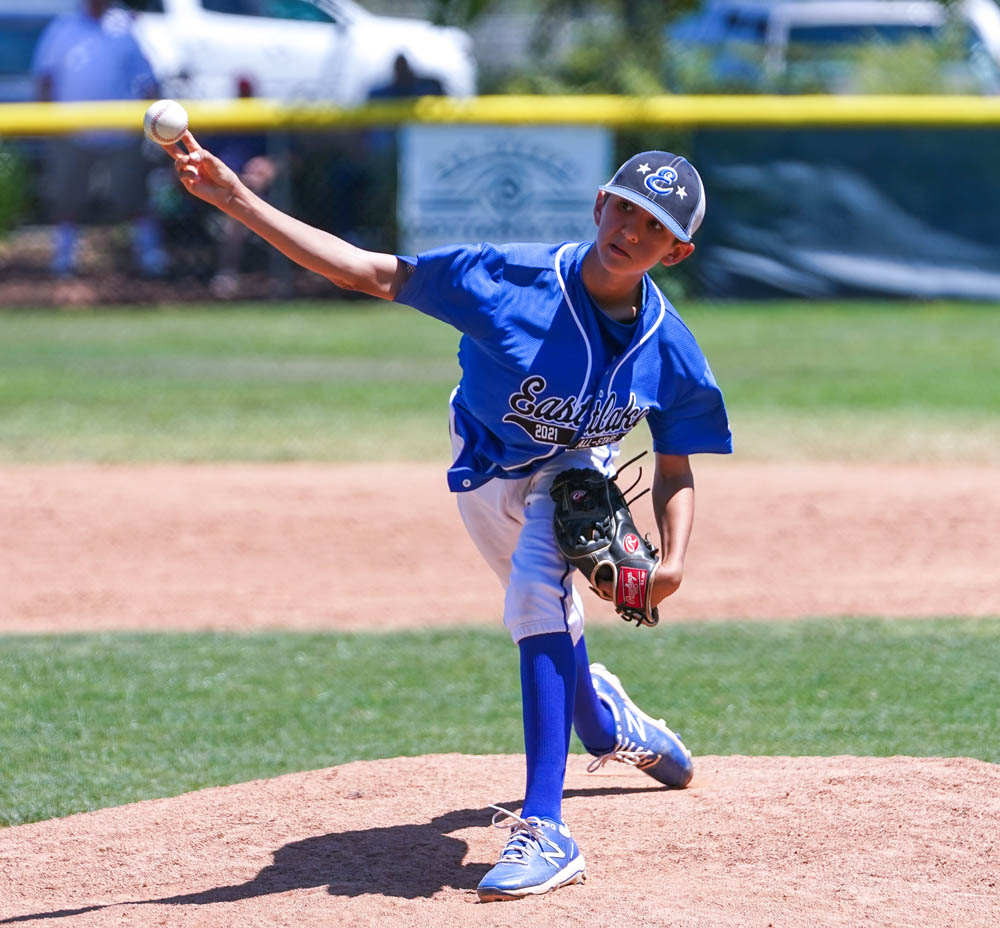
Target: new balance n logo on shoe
{"points": [[633, 724], [640, 740]]}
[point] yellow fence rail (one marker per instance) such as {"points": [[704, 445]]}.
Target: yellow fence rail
{"points": [[613, 111]]}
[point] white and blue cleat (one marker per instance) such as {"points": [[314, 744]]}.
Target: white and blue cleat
{"points": [[539, 856], [640, 740]]}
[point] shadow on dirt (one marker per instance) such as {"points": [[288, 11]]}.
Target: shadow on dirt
{"points": [[407, 861]]}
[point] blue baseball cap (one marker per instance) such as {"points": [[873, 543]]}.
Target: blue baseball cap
{"points": [[665, 185]]}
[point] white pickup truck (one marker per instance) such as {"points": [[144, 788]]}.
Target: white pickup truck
{"points": [[285, 49], [293, 49]]}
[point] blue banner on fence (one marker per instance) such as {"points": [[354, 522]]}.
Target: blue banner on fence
{"points": [[840, 213]]}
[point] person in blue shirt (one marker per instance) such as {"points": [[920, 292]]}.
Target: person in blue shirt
{"points": [[564, 349], [91, 54]]}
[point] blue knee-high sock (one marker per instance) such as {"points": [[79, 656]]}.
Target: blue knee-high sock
{"points": [[593, 721], [548, 685]]}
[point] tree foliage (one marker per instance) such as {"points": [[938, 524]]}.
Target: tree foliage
{"points": [[616, 45], [13, 184]]}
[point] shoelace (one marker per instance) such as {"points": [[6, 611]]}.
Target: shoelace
{"points": [[524, 833], [625, 752]]}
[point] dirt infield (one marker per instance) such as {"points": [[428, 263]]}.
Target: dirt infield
{"points": [[312, 546], [753, 842], [785, 842]]}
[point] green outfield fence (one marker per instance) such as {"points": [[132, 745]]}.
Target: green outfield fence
{"points": [[936, 157]]}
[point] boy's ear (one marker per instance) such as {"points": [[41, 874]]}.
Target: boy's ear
{"points": [[678, 253], [602, 198]]}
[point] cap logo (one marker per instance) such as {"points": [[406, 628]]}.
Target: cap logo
{"points": [[662, 181]]}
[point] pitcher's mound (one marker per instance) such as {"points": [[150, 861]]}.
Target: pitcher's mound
{"points": [[754, 841]]}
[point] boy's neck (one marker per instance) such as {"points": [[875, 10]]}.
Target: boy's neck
{"points": [[618, 296]]}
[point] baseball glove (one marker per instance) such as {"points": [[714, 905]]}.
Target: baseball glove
{"points": [[596, 534]]}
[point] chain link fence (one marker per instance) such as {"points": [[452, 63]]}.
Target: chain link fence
{"points": [[166, 244], [800, 212]]}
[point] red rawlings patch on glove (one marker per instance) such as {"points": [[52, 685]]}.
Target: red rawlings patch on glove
{"points": [[632, 587]]}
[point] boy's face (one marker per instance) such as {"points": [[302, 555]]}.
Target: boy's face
{"points": [[632, 240]]}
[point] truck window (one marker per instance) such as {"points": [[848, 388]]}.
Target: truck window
{"points": [[746, 26], [18, 38], [144, 6], [859, 33], [272, 9]]}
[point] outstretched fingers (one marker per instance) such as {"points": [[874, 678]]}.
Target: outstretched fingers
{"points": [[175, 151], [187, 159], [190, 147]]}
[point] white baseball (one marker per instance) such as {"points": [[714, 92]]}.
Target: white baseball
{"points": [[165, 122]]}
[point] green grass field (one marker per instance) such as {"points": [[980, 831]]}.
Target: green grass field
{"points": [[358, 380], [97, 720]]}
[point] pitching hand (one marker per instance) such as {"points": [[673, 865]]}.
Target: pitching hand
{"points": [[202, 173]]}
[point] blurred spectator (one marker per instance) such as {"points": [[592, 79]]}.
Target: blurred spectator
{"points": [[406, 83], [382, 156], [246, 154], [91, 54]]}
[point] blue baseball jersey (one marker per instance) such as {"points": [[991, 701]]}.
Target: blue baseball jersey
{"points": [[538, 378]]}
